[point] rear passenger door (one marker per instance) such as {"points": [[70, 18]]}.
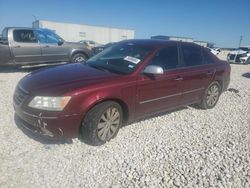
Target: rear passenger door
{"points": [[25, 47], [196, 73]]}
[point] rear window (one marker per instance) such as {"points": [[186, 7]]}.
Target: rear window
{"points": [[191, 55], [22, 35]]}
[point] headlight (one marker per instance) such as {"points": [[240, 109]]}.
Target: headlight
{"points": [[49, 103]]}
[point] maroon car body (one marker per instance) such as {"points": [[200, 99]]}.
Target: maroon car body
{"points": [[137, 93]]}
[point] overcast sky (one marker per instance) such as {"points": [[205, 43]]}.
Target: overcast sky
{"points": [[218, 21]]}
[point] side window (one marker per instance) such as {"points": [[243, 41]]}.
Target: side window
{"points": [[47, 37], [52, 38], [24, 36], [207, 59], [41, 37], [191, 55], [167, 58]]}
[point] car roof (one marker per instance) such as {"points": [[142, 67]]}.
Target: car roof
{"points": [[19, 28], [156, 42]]}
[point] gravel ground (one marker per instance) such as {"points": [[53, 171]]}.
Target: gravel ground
{"points": [[184, 148]]}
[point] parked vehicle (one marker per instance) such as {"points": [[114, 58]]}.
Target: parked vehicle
{"points": [[21, 46], [214, 51], [240, 56], [127, 81], [90, 43], [217, 49], [99, 49], [245, 59]]}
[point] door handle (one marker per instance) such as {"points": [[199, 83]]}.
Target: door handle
{"points": [[18, 46], [178, 78], [46, 46]]}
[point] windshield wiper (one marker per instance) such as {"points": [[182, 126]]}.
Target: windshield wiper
{"points": [[105, 69], [98, 67]]}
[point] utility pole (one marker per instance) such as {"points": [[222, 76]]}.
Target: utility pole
{"points": [[240, 40]]}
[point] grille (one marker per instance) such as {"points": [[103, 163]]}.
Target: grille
{"points": [[20, 95]]}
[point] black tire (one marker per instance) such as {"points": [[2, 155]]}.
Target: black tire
{"points": [[79, 58], [247, 61], [90, 129], [205, 102]]}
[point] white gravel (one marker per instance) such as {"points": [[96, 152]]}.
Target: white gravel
{"points": [[184, 148]]}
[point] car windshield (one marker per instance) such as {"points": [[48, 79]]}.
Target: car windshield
{"points": [[121, 58]]}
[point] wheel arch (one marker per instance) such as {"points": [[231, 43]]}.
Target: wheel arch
{"points": [[78, 52], [123, 105], [220, 82]]}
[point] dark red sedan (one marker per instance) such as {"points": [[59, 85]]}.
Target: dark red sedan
{"points": [[128, 80]]}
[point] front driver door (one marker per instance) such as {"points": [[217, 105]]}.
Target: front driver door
{"points": [[52, 46], [160, 92]]}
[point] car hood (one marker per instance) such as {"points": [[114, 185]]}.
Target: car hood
{"points": [[76, 44], [56, 81]]}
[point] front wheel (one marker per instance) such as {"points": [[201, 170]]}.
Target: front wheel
{"points": [[211, 96], [102, 123], [79, 58]]}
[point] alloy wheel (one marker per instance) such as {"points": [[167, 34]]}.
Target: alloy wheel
{"points": [[79, 59], [212, 95], [108, 124]]}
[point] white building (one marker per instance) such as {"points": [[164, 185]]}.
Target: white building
{"points": [[76, 32], [205, 43]]}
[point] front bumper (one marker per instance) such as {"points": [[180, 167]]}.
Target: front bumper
{"points": [[61, 126]]}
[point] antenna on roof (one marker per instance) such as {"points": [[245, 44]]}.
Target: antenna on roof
{"points": [[35, 18]]}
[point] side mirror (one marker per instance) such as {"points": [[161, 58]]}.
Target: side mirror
{"points": [[153, 69], [60, 42]]}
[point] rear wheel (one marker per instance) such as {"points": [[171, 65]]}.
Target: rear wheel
{"points": [[102, 123], [79, 58], [211, 96]]}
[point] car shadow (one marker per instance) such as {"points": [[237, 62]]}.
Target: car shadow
{"points": [[39, 138], [14, 69], [136, 121], [159, 114], [246, 75]]}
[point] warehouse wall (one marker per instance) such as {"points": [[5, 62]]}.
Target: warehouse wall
{"points": [[181, 39], [77, 32]]}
